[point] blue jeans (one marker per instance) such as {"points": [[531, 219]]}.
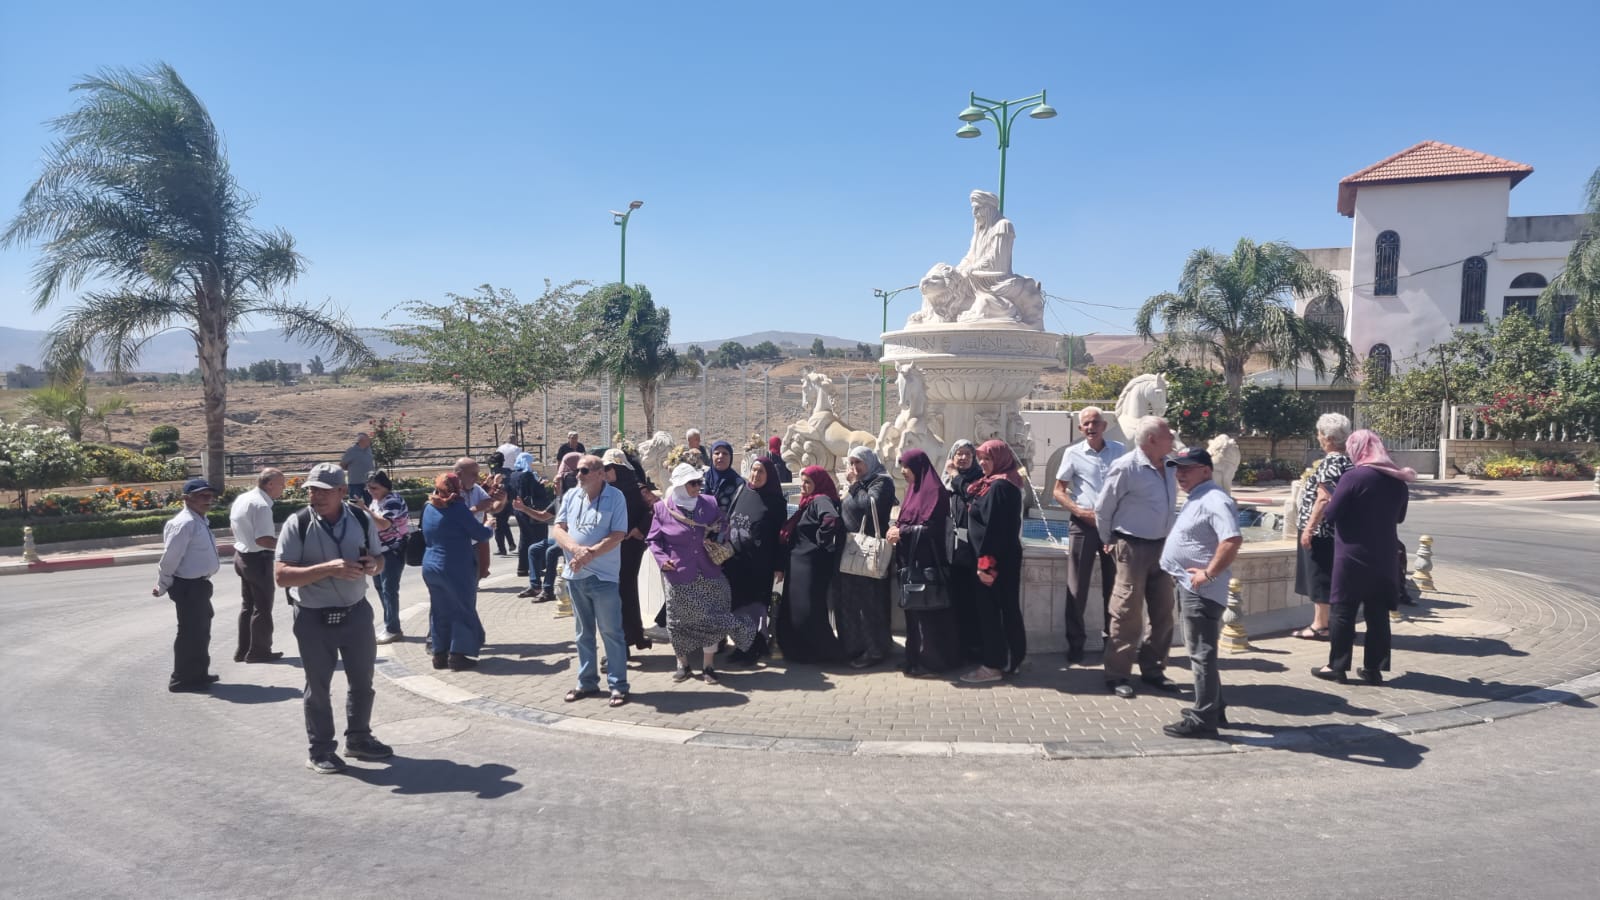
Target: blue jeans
{"points": [[387, 584], [596, 602], [543, 557]]}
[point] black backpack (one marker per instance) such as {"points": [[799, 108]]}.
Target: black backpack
{"points": [[302, 525]]}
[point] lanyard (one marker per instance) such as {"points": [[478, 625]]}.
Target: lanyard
{"points": [[338, 537]]}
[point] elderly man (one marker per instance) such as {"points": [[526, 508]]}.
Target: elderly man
{"points": [[358, 464], [327, 552], [481, 502], [1078, 484], [188, 560], [254, 540], [1133, 515], [1198, 552], [592, 523], [691, 441]]}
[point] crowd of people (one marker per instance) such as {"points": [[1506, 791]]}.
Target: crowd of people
{"points": [[741, 570]]}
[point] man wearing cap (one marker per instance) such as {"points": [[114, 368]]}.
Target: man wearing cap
{"points": [[1197, 554], [254, 540], [1133, 515], [1078, 484], [592, 523], [188, 560], [358, 464], [328, 554]]}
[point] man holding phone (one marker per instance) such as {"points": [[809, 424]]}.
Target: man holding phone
{"points": [[326, 555]]}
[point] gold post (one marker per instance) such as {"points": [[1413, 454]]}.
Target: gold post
{"points": [[563, 599], [1234, 637], [30, 552]]}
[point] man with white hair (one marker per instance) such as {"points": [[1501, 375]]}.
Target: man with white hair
{"points": [[691, 441], [1133, 516], [573, 445], [1078, 484]]}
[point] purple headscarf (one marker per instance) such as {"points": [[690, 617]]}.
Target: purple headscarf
{"points": [[926, 499]]}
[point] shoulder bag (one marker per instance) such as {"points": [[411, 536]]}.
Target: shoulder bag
{"points": [[719, 553], [865, 555], [923, 588]]}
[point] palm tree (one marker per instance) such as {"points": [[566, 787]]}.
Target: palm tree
{"points": [[67, 403], [1229, 308], [1579, 281], [137, 196], [628, 335]]}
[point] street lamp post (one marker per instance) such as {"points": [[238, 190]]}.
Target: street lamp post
{"points": [[883, 370], [1003, 113], [620, 219]]}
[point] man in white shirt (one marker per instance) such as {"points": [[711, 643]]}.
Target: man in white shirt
{"points": [[188, 560], [481, 502], [254, 540], [1078, 483]]}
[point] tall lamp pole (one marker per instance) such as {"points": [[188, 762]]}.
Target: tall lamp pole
{"points": [[883, 370], [620, 219], [1003, 113]]}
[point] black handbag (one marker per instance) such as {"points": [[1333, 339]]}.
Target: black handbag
{"points": [[923, 588]]}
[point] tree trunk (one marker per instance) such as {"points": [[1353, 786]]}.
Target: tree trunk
{"points": [[647, 399], [211, 347], [1233, 377]]}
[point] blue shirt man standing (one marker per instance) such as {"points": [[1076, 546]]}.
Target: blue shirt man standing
{"points": [[1078, 484], [592, 523]]}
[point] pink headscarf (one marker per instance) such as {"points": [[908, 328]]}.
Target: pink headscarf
{"points": [[1366, 449], [568, 465], [1005, 468]]}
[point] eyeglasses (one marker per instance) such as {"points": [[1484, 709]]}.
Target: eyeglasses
{"points": [[584, 470], [693, 483]]}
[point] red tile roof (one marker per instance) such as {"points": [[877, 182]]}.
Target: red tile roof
{"points": [[1429, 161]]}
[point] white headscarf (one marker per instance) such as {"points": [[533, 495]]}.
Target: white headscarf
{"points": [[677, 494], [874, 467]]}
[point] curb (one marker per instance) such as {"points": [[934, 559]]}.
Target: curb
{"points": [[224, 550], [1314, 738]]}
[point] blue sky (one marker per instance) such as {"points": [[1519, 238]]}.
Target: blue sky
{"points": [[793, 157]]}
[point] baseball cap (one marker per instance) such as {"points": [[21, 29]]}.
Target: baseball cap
{"points": [[326, 475], [196, 485], [1191, 456], [615, 457]]}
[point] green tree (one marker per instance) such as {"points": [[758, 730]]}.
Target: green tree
{"points": [[1278, 413], [1196, 402], [818, 348], [627, 335], [1578, 283], [766, 351], [316, 366], [1229, 308], [730, 354], [137, 193], [1103, 382], [1073, 352], [695, 353]]}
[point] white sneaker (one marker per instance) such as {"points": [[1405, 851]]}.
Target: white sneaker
{"points": [[387, 637]]}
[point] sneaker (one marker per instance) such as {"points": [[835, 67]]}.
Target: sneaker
{"points": [[548, 596], [1121, 688], [981, 675], [274, 656], [389, 637], [367, 747], [1189, 728], [528, 594], [326, 764]]}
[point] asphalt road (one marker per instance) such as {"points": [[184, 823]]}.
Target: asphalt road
{"points": [[1546, 540], [113, 787]]}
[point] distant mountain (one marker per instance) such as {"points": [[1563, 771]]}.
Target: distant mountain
{"points": [[801, 340], [174, 351]]}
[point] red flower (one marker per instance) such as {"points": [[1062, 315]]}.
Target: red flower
{"points": [[1206, 414], [1186, 412]]}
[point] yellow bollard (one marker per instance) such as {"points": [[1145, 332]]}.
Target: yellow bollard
{"points": [[30, 552], [1422, 574], [1234, 637], [563, 599]]}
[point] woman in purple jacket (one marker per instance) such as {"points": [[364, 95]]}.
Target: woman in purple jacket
{"points": [[699, 605], [1366, 511]]}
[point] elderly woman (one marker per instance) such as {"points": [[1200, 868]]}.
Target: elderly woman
{"points": [[814, 537], [393, 519], [1313, 571], [754, 520], [722, 480], [451, 569], [620, 474], [699, 606], [961, 471], [919, 538], [1366, 511], [862, 613], [995, 526]]}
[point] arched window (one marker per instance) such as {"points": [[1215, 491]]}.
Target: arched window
{"points": [[1528, 280], [1382, 362], [1474, 282], [1327, 310], [1386, 274]]}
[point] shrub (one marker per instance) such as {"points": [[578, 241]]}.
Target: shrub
{"points": [[163, 441], [1474, 467], [122, 464], [34, 458]]}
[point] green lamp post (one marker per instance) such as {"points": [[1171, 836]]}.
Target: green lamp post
{"points": [[1003, 113], [883, 370], [620, 219]]}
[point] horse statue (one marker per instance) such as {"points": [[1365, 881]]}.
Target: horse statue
{"points": [[653, 456], [913, 428], [1144, 395], [1224, 452], [821, 439]]}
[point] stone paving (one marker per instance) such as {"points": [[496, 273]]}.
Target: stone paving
{"points": [[1483, 636]]}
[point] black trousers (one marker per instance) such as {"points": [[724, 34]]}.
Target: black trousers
{"points": [[1342, 634], [257, 589], [191, 650], [1084, 550], [502, 531], [1005, 640]]}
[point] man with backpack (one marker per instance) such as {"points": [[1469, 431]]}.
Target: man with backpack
{"points": [[326, 553]]}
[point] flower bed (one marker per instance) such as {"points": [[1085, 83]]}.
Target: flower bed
{"points": [[1500, 467]]}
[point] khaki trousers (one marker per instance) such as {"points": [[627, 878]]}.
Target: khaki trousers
{"points": [[1140, 586]]}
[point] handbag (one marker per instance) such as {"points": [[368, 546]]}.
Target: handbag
{"points": [[719, 553], [923, 588], [865, 555]]}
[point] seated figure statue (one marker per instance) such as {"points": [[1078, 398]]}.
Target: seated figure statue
{"points": [[982, 286]]}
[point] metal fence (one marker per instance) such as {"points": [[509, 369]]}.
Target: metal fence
{"points": [[1474, 422], [235, 464]]}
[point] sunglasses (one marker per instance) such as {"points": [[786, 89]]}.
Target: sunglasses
{"points": [[584, 470], [696, 483]]}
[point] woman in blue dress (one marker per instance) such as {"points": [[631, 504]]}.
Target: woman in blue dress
{"points": [[451, 571]]}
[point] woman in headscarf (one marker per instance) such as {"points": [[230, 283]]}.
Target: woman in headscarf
{"points": [[919, 536], [961, 471], [757, 514], [699, 607], [722, 481], [995, 527], [450, 570], [814, 537], [775, 453], [620, 474], [1366, 511], [863, 611], [529, 498]]}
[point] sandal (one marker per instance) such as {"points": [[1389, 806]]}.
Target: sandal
{"points": [[1310, 634], [575, 695], [681, 674], [709, 676], [618, 698]]}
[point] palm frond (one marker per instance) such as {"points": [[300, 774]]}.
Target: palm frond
{"points": [[114, 326], [321, 328]]}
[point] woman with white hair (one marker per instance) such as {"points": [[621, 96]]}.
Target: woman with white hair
{"points": [[1313, 571]]}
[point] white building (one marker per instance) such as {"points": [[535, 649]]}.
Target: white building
{"points": [[1433, 249]]}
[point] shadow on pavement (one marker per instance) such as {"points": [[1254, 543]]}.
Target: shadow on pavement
{"points": [[1235, 663], [254, 693], [1478, 689], [776, 676], [525, 659], [437, 776], [1360, 744], [1290, 700], [694, 696], [1453, 645]]}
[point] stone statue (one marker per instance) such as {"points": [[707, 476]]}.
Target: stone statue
{"points": [[821, 439], [1224, 452], [1145, 395], [653, 456], [913, 428], [982, 287]]}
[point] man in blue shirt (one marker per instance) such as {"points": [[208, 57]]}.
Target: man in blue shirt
{"points": [[592, 522], [1078, 483], [1197, 554], [1134, 513]]}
